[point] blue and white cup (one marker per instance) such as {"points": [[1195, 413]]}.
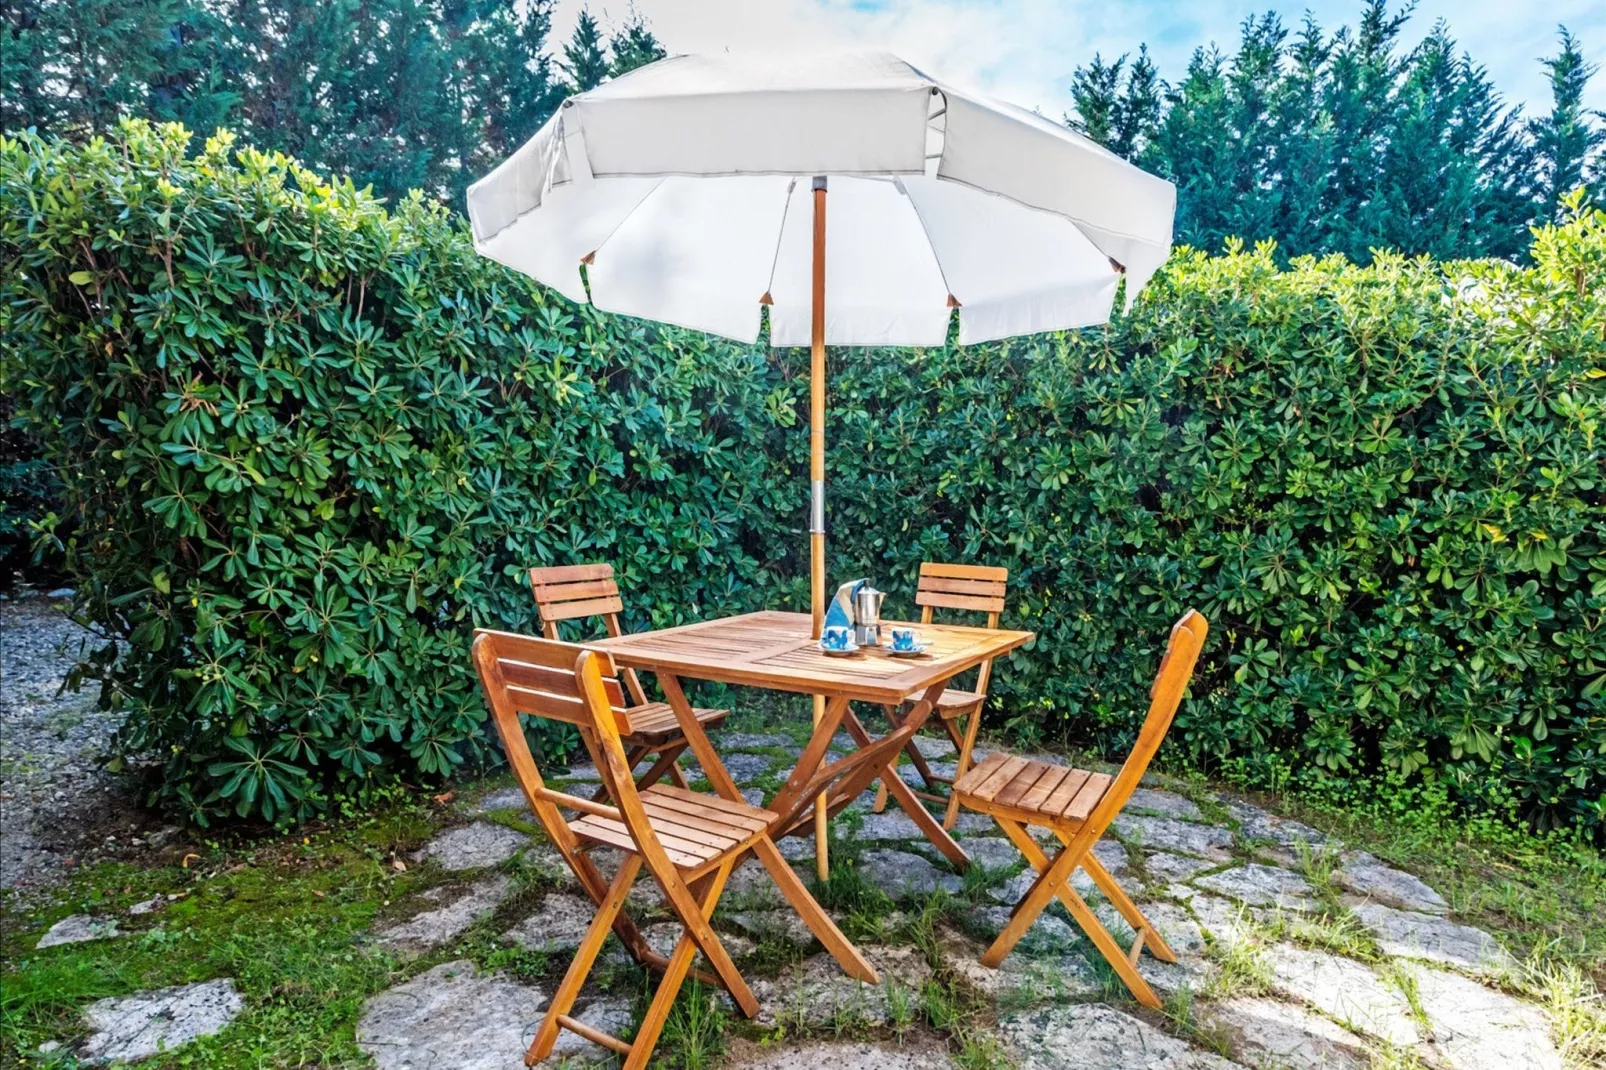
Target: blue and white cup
{"points": [[835, 637], [904, 639]]}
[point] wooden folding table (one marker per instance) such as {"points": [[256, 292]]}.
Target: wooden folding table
{"points": [[774, 650]]}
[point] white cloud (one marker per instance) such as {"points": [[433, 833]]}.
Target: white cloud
{"points": [[1025, 50]]}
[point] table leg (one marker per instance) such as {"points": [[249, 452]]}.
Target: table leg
{"points": [[812, 758], [822, 845], [902, 792], [697, 739]]}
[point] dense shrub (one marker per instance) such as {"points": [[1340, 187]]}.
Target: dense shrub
{"points": [[309, 443]]}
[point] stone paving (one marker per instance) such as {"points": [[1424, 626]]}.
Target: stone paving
{"points": [[1241, 888]]}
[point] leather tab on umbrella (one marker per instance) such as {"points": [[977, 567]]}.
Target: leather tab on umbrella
{"points": [[1120, 268], [589, 258], [953, 302], [766, 299]]}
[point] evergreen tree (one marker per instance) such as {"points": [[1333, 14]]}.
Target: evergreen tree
{"points": [[75, 66], [1343, 143], [584, 64], [1120, 116], [1567, 142], [633, 45]]}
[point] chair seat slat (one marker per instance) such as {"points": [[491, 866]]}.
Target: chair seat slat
{"points": [[1088, 797]]}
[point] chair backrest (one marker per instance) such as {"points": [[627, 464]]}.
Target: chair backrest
{"points": [[1165, 695], [521, 674], [977, 588], [567, 592]]}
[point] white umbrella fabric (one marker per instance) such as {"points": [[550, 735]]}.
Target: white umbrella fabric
{"points": [[694, 191], [686, 187]]}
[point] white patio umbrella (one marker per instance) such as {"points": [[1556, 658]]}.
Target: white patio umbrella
{"points": [[694, 190]]}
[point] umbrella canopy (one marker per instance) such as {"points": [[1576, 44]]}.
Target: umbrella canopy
{"points": [[686, 188]]}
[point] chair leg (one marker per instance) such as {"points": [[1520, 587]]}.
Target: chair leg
{"points": [[652, 1024], [819, 922], [962, 763], [1118, 898], [547, 1035], [1074, 903], [665, 764]]}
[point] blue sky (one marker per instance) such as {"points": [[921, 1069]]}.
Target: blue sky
{"points": [[1025, 50]]}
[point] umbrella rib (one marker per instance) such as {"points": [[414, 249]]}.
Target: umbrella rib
{"points": [[786, 210], [953, 301], [590, 258]]}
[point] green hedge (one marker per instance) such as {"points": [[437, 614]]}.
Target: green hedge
{"points": [[308, 443]]}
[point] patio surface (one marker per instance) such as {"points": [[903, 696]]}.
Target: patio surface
{"points": [[1295, 951]]}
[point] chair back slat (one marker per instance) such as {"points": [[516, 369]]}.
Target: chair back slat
{"points": [[979, 588], [1165, 696], [564, 592], [535, 677], [568, 592]]}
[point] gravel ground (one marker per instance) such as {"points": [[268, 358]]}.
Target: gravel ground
{"points": [[59, 807]]}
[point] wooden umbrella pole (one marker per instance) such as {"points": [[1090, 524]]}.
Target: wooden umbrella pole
{"points": [[822, 857]]}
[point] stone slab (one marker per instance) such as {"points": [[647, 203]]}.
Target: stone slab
{"points": [[1165, 803], [816, 993], [1179, 837], [1477, 1028], [1049, 935], [891, 824], [844, 1055], [1271, 1035], [1344, 990], [994, 854], [1262, 886], [901, 874], [1259, 825], [451, 1016], [500, 799], [1023, 978], [1361, 873], [435, 927], [558, 924], [129, 1028], [750, 741], [473, 846], [1166, 868], [1405, 934], [1089, 1036], [1224, 919], [77, 928]]}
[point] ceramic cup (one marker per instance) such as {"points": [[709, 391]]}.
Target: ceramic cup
{"points": [[835, 638], [903, 639]]}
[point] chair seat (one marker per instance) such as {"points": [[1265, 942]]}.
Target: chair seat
{"points": [[696, 830], [654, 724], [1031, 791], [952, 701]]}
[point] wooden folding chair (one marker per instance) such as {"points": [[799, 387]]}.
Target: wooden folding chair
{"points": [[1077, 806], [977, 588], [688, 842], [569, 592]]}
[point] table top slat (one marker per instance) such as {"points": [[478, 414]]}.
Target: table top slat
{"points": [[773, 650]]}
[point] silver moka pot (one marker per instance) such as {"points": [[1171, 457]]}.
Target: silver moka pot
{"points": [[867, 616]]}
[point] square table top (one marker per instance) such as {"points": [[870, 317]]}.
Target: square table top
{"points": [[773, 650]]}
